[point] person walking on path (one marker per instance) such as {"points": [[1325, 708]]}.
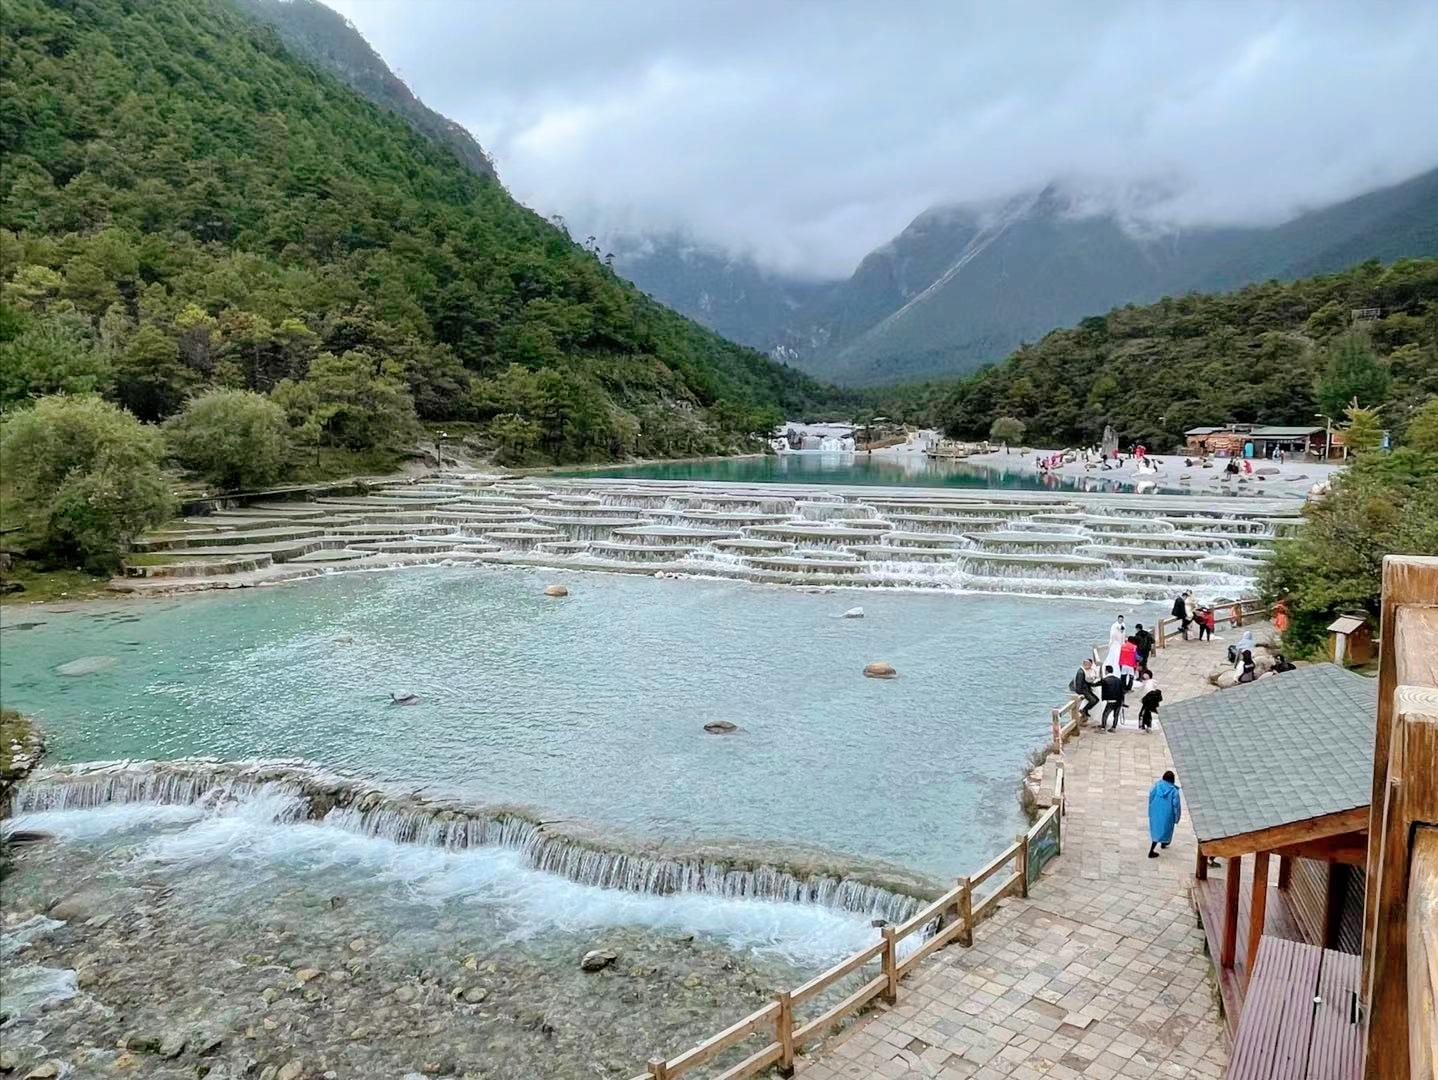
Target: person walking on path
{"points": [[1111, 691], [1165, 809], [1150, 697], [1084, 680], [1144, 640]]}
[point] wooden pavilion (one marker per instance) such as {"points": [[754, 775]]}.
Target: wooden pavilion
{"points": [[1277, 780]]}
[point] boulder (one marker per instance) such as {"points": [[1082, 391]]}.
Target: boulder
{"points": [[853, 613], [597, 960], [555, 590], [879, 669], [720, 727]]}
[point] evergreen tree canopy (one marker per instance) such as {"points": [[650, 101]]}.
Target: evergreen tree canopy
{"points": [[185, 205]]}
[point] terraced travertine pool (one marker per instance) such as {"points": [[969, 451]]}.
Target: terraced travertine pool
{"points": [[553, 786]]}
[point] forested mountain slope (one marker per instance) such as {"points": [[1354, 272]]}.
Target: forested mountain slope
{"points": [[188, 204], [326, 39], [1255, 355]]}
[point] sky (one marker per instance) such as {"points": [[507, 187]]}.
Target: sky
{"points": [[805, 133]]}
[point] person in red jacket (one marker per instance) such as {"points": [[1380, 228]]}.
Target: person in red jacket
{"points": [[1128, 662], [1205, 624]]}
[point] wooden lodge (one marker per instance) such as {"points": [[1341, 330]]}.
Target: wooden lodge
{"points": [[1314, 797], [1258, 441]]}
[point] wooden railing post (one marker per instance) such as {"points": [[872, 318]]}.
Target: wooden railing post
{"points": [[1022, 857], [659, 1069], [1058, 732], [1159, 644], [891, 965], [784, 1032], [966, 912]]}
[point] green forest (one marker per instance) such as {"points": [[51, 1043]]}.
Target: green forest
{"points": [[1268, 353], [188, 208]]}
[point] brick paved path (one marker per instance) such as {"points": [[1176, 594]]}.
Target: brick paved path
{"points": [[1099, 973]]}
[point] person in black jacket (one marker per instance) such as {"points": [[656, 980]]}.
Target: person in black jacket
{"points": [[1083, 684], [1180, 611], [1144, 640], [1111, 691], [1149, 703]]}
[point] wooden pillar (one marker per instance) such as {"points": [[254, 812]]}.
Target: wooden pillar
{"points": [[966, 912], [1257, 910], [1232, 871], [784, 1033], [1022, 858], [1336, 890], [1200, 867], [658, 1069], [891, 965], [1285, 871]]}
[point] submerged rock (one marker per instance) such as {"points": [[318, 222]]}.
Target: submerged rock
{"points": [[555, 590], [853, 613], [720, 727], [880, 669], [597, 960], [86, 665]]}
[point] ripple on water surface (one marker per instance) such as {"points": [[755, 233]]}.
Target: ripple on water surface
{"points": [[592, 706]]}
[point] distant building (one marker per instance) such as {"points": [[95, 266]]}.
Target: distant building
{"points": [[1256, 440]]}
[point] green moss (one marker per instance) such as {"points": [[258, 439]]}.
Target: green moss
{"points": [[48, 583]]}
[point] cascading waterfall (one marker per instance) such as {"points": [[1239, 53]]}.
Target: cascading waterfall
{"points": [[300, 793]]}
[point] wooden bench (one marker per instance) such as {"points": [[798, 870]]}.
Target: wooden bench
{"points": [[1300, 1016]]}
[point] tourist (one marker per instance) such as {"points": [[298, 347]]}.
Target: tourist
{"points": [[1149, 701], [1245, 644], [1165, 810], [1128, 662], [1205, 623], [1247, 670], [1111, 691], [1179, 611], [1115, 643], [1280, 617], [1084, 680], [1144, 640], [1190, 608], [1282, 663]]}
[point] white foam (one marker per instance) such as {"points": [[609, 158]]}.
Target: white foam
{"points": [[265, 831], [86, 824]]}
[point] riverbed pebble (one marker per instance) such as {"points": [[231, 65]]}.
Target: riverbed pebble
{"points": [[597, 960]]}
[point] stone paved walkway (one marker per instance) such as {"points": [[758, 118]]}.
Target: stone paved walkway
{"points": [[1099, 973]]}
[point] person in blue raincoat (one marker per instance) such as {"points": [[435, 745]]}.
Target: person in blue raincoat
{"points": [[1165, 808]]}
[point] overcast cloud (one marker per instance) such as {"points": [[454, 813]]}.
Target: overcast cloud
{"points": [[807, 132]]}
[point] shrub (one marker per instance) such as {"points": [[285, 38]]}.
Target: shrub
{"points": [[234, 439], [1006, 429], [87, 475]]}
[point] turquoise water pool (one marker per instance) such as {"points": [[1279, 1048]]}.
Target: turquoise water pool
{"points": [[592, 706], [910, 470]]}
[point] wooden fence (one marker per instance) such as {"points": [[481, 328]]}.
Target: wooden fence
{"points": [[1234, 615], [952, 918]]}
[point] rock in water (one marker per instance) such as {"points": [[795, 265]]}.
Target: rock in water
{"points": [[720, 727], [597, 960], [879, 670], [555, 590], [86, 665], [403, 699], [853, 613]]}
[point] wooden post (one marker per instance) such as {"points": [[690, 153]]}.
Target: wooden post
{"points": [[1023, 860], [1159, 644], [1257, 911], [891, 965], [1058, 733], [1285, 871], [1200, 868], [1403, 781], [966, 912], [659, 1069], [1232, 871], [784, 1032]]}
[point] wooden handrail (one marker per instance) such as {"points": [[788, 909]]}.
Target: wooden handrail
{"points": [[1246, 609], [788, 1038]]}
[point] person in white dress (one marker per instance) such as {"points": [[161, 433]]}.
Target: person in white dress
{"points": [[1115, 643]]}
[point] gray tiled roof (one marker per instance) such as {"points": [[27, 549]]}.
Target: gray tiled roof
{"points": [[1286, 748]]}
